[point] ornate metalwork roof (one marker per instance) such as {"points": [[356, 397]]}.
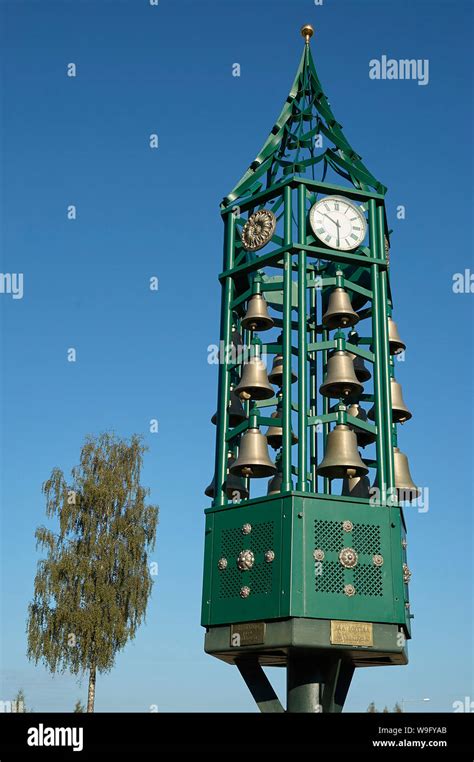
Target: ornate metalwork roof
{"points": [[293, 146]]}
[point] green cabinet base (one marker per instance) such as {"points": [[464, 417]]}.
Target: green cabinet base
{"points": [[317, 557]]}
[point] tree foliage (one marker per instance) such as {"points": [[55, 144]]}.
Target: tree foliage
{"points": [[92, 588], [372, 708], [19, 702]]}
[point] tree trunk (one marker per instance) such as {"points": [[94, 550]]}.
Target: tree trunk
{"points": [[91, 691]]}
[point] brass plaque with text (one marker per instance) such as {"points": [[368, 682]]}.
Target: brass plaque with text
{"points": [[247, 634], [352, 633]]}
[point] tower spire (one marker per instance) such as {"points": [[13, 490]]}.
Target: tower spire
{"points": [[305, 139]]}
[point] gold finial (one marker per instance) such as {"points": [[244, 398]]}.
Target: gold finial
{"points": [[307, 31]]}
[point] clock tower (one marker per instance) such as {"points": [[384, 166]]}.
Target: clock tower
{"points": [[305, 542]]}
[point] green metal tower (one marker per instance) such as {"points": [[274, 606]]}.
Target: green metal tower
{"points": [[308, 570]]}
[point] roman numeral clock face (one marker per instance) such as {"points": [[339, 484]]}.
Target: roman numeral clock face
{"points": [[338, 222]]}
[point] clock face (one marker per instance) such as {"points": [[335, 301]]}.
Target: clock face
{"points": [[338, 222]]}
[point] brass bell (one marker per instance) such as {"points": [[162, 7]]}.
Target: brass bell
{"points": [[364, 437], [275, 433], [257, 318], [276, 374], [339, 312], [233, 484], [340, 379], [274, 485], [253, 460], [341, 458], [404, 484], [254, 382], [400, 412], [395, 343], [362, 372], [358, 486], [236, 411]]}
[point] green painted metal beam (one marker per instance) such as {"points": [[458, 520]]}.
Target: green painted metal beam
{"points": [[259, 685], [224, 379], [354, 193], [385, 354], [302, 342], [287, 294], [269, 260], [313, 392], [377, 347], [303, 689]]}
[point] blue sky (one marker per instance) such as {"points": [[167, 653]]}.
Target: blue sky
{"points": [[143, 354]]}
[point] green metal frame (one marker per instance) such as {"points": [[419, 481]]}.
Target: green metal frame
{"points": [[307, 262], [306, 273]]}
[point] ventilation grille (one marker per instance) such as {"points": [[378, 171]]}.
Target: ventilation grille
{"points": [[366, 538], [329, 535], [260, 577], [368, 580], [330, 575]]}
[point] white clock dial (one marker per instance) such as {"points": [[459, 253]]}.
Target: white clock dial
{"points": [[338, 222]]}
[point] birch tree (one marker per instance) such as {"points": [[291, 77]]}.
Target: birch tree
{"points": [[92, 588]]}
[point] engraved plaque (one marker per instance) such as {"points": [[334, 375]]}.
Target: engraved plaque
{"points": [[247, 634], [352, 633]]}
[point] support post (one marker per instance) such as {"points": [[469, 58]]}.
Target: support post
{"points": [[385, 354], [303, 684], [259, 685], [338, 679], [224, 379], [302, 342], [287, 484], [313, 393], [326, 405], [314, 686], [376, 348]]}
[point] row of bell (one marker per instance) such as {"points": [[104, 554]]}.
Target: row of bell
{"points": [[254, 461], [342, 458], [346, 372], [344, 379], [359, 486], [341, 461], [345, 375], [340, 314]]}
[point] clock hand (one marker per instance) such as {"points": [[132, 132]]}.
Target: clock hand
{"points": [[330, 218]]}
